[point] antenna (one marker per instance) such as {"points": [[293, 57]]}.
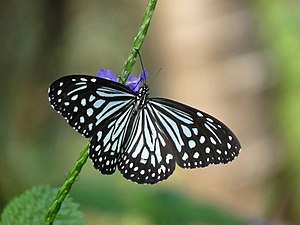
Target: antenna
{"points": [[160, 69], [138, 52]]}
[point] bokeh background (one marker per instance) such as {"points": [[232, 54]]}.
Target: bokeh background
{"points": [[237, 60]]}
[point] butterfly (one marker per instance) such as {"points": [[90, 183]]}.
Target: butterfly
{"points": [[141, 136]]}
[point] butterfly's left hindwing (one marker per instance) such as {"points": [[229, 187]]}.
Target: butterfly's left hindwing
{"points": [[147, 155], [86, 102]]}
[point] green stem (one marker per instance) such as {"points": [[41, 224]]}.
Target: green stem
{"points": [[65, 189], [138, 41]]}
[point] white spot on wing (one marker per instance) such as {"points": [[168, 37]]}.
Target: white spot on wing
{"points": [[196, 155], [153, 161], [210, 120], [145, 154], [168, 158], [207, 150], [161, 139], [228, 145], [202, 139], [208, 127], [74, 97], [195, 130], [192, 143], [199, 114], [92, 97], [185, 156], [213, 141], [98, 103], [186, 131], [89, 111], [83, 102], [77, 89], [81, 119], [99, 135]]}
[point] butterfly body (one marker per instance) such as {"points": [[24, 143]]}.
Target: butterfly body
{"points": [[141, 98], [141, 136]]}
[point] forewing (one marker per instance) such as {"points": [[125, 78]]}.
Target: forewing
{"points": [[146, 156], [87, 102], [198, 139]]}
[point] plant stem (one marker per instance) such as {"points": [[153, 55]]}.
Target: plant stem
{"points": [[137, 43], [64, 190]]}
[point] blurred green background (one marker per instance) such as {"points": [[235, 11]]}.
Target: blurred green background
{"points": [[237, 60]]}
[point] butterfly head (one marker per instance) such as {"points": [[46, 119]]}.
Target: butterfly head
{"points": [[144, 91]]}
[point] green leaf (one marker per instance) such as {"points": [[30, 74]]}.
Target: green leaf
{"points": [[31, 207]]}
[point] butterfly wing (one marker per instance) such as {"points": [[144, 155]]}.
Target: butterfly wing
{"points": [[145, 143], [146, 156], [106, 144], [96, 108], [87, 102], [197, 138]]}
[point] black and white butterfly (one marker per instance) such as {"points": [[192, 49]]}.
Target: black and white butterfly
{"points": [[143, 137]]}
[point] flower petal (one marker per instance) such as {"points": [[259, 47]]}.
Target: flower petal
{"points": [[107, 74], [143, 75], [133, 83]]}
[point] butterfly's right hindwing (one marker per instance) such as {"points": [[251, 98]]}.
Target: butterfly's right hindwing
{"points": [[106, 144]]}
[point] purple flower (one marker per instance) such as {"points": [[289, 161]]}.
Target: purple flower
{"points": [[132, 82], [107, 74]]}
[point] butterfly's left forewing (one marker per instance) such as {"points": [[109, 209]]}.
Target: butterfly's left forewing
{"points": [[198, 139]]}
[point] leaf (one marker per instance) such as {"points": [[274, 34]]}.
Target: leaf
{"points": [[31, 207]]}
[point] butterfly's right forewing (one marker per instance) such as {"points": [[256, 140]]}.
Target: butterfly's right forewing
{"points": [[96, 108]]}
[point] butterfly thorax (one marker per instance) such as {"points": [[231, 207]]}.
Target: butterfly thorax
{"points": [[141, 98]]}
